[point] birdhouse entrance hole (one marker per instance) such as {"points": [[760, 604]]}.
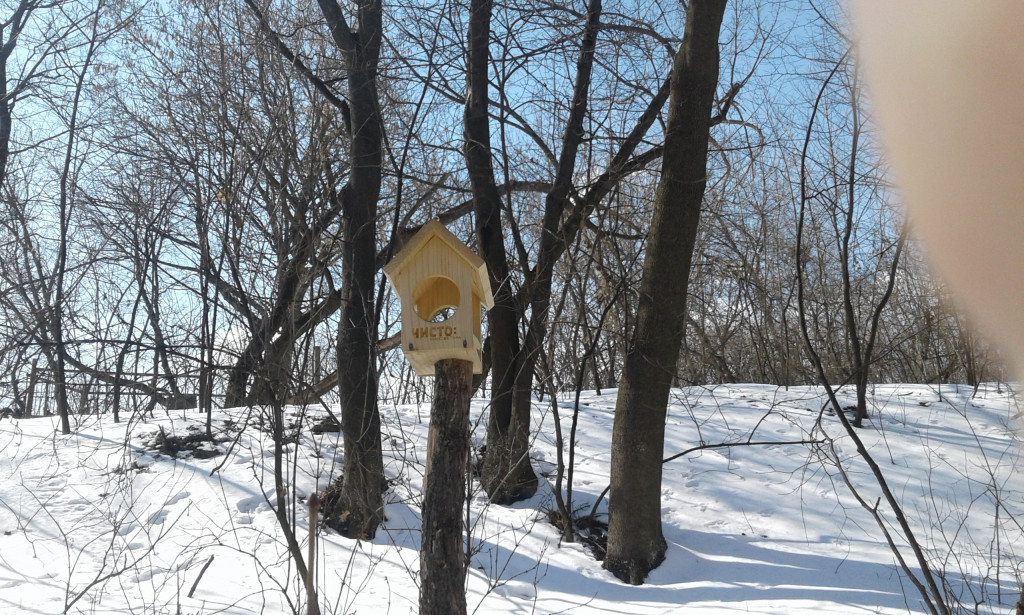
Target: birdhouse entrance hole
{"points": [[436, 298]]}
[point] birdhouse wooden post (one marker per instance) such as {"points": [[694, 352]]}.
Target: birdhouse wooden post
{"points": [[442, 285]]}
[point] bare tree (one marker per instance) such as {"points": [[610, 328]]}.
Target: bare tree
{"points": [[70, 38], [363, 474], [851, 241]]}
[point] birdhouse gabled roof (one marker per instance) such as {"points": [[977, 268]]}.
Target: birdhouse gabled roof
{"points": [[435, 231]]}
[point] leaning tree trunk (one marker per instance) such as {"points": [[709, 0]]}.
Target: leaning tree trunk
{"points": [[635, 541], [553, 241]]}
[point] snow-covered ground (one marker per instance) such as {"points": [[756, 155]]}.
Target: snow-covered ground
{"points": [[97, 522]]}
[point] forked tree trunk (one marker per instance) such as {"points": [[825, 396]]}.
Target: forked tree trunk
{"points": [[506, 473], [58, 309], [635, 541]]}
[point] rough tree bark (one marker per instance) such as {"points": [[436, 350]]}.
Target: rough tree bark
{"points": [[442, 558], [635, 541]]}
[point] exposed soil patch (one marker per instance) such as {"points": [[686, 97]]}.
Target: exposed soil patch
{"points": [[196, 444], [326, 425], [586, 530]]}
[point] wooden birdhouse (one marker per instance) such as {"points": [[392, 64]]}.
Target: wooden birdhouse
{"points": [[442, 285]]}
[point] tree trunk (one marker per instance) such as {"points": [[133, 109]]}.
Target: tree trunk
{"points": [[238, 392], [860, 367], [57, 313], [363, 478], [507, 475], [363, 473], [635, 541], [60, 387], [442, 558], [33, 378]]}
